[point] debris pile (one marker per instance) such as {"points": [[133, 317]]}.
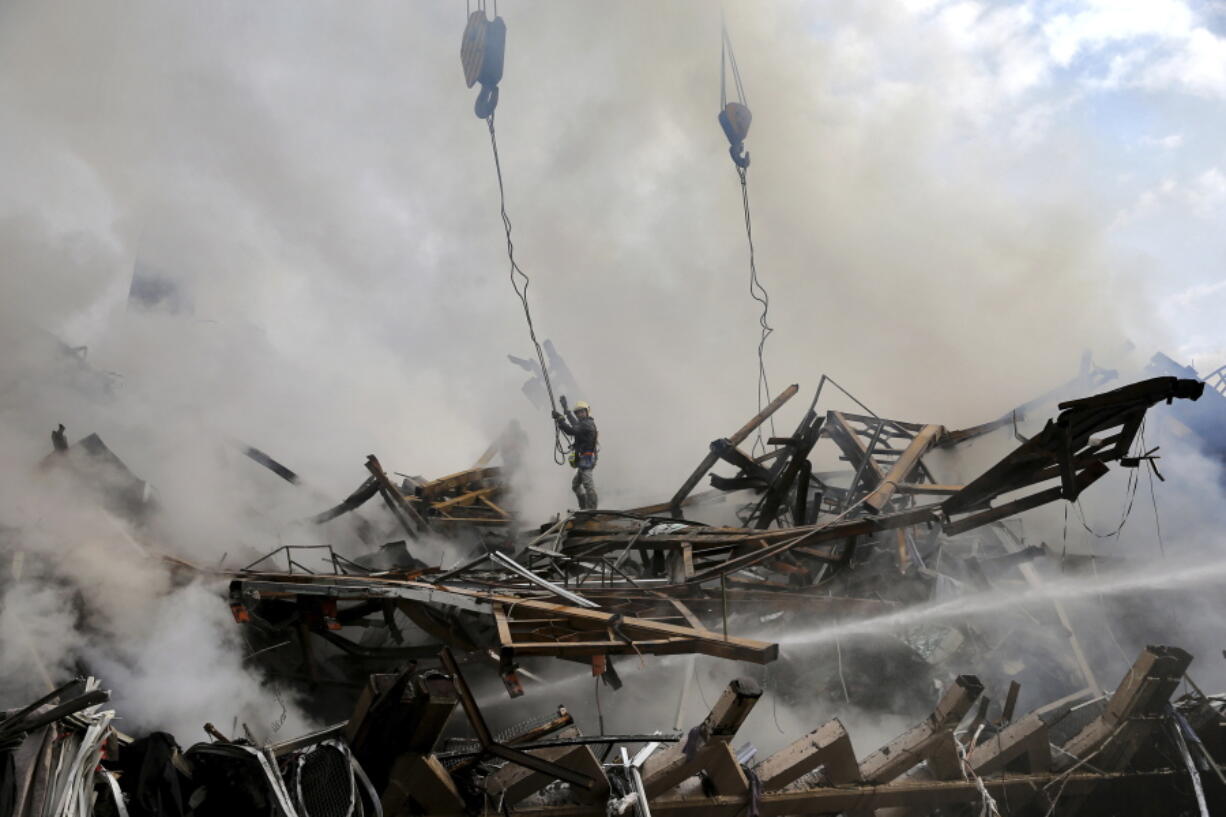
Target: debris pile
{"points": [[1081, 754], [834, 576]]}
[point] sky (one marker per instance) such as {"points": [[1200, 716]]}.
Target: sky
{"points": [[950, 202], [1143, 83]]}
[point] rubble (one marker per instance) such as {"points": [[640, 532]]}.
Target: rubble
{"points": [[1071, 756], [383, 644]]}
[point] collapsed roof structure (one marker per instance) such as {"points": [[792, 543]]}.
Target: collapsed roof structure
{"points": [[384, 645]]}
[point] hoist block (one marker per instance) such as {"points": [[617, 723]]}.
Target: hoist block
{"points": [[735, 119], [472, 46], [494, 51], [482, 49]]}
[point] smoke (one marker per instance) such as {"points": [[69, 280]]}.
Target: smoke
{"points": [[313, 180]]}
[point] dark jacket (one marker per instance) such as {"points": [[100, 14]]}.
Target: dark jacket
{"points": [[584, 432]]}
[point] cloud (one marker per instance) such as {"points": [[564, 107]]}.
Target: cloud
{"points": [[1196, 294], [1201, 196], [1172, 141], [1150, 44]]}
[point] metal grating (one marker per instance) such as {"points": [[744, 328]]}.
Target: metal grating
{"points": [[323, 782]]}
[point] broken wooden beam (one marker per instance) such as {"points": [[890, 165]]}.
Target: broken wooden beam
{"points": [[408, 518], [910, 748], [828, 745], [513, 783], [834, 799], [1132, 710], [421, 601], [902, 469], [838, 428], [485, 738], [667, 768], [737, 438], [1022, 746], [420, 784], [1088, 476]]}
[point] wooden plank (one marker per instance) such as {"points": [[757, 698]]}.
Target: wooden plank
{"points": [[903, 428], [513, 783], [1026, 738], [734, 456], [807, 434], [941, 757], [485, 458], [583, 649], [681, 564], [504, 629], [927, 488], [722, 769], [687, 614], [500, 511], [1144, 692], [846, 438], [835, 799], [828, 745], [442, 485], [409, 519], [909, 749], [1083, 480], [1133, 712], [464, 499], [901, 471], [666, 635], [413, 596], [822, 533], [667, 767], [485, 738], [737, 438], [423, 782]]}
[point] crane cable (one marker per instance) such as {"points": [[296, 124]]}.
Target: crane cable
{"points": [[726, 46], [759, 294], [727, 58], [520, 282], [482, 52]]}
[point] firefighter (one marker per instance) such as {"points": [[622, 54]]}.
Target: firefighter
{"points": [[580, 426]]}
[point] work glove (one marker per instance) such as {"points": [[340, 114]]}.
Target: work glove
{"points": [[557, 415]]}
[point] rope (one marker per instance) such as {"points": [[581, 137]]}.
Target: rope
{"points": [[725, 45], [987, 805], [759, 294], [520, 282], [727, 59]]}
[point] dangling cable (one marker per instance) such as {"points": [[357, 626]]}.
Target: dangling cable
{"points": [[735, 120], [759, 294], [726, 44], [1153, 496], [1130, 491], [520, 282]]}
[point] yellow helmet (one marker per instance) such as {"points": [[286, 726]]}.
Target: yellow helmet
{"points": [[583, 406]]}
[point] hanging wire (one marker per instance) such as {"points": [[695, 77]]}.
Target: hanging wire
{"points": [[1130, 489], [727, 59], [1153, 496], [726, 46], [520, 282], [759, 294]]}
